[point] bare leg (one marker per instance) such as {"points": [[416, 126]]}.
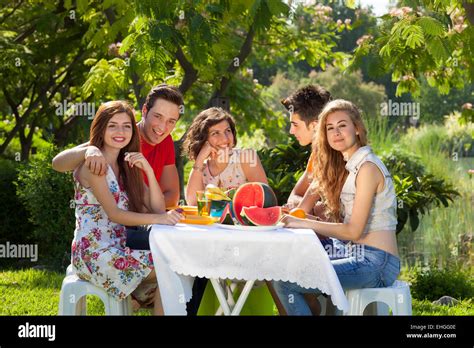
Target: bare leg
{"points": [[158, 306]]}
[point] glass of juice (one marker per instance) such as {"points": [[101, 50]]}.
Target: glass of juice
{"points": [[202, 203]]}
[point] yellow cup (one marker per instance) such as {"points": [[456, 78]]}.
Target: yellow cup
{"points": [[202, 203]]}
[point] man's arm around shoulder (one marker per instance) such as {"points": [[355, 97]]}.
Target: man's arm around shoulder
{"points": [[70, 159]]}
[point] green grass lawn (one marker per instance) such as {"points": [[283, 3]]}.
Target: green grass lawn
{"points": [[36, 292]]}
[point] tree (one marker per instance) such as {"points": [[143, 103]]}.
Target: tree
{"points": [[430, 39], [436, 106], [44, 46]]}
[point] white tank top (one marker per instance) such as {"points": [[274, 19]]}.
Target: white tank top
{"points": [[383, 213]]}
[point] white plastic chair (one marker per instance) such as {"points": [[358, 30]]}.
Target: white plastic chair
{"points": [[397, 297], [72, 300]]}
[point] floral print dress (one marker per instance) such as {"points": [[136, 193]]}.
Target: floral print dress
{"points": [[99, 254]]}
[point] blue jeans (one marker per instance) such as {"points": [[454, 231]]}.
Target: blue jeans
{"points": [[335, 248], [362, 266]]}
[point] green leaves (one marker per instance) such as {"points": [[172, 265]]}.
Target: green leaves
{"points": [[106, 78], [416, 190], [437, 49], [284, 164], [48, 197], [278, 8], [433, 41], [413, 34], [431, 26], [350, 3]]}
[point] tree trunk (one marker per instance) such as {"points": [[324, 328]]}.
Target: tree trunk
{"points": [[180, 166], [469, 8]]}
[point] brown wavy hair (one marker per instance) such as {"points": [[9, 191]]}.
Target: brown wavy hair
{"points": [[198, 132], [329, 165], [131, 178]]}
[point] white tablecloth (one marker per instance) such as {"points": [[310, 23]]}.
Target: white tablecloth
{"points": [[183, 252]]}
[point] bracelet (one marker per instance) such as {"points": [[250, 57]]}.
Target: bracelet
{"points": [[198, 168]]}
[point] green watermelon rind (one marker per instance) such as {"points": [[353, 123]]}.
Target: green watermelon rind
{"points": [[245, 220], [268, 193]]}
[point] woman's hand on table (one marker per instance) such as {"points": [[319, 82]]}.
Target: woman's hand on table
{"points": [[171, 217], [294, 222]]}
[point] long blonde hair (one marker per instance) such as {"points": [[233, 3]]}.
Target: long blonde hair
{"points": [[329, 166]]}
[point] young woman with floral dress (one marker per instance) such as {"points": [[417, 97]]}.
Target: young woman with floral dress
{"points": [[106, 204]]}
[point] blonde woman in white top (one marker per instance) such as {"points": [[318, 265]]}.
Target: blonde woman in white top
{"points": [[358, 190]]}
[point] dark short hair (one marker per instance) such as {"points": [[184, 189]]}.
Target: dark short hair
{"points": [[198, 132], [307, 102], [166, 92]]}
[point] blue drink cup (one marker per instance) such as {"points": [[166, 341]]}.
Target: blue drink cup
{"points": [[217, 207]]}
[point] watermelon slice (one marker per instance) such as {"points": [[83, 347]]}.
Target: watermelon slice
{"points": [[255, 216], [252, 194], [226, 217]]}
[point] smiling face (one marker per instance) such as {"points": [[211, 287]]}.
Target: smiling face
{"points": [[159, 121], [220, 136], [119, 131], [302, 132], [341, 132]]}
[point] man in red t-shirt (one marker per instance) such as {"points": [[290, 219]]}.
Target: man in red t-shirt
{"points": [[159, 116]]}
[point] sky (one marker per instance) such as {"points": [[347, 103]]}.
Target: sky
{"points": [[379, 6]]}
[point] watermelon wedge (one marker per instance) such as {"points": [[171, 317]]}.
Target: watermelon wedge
{"points": [[226, 217], [255, 216]]}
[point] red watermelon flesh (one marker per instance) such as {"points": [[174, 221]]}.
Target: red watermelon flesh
{"points": [[252, 194], [254, 216]]}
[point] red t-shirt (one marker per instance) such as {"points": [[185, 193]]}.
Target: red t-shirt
{"points": [[159, 155]]}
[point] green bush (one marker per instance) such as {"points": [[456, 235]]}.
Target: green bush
{"points": [[284, 164], [452, 138], [417, 191], [432, 283], [14, 226], [48, 196], [460, 135]]}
